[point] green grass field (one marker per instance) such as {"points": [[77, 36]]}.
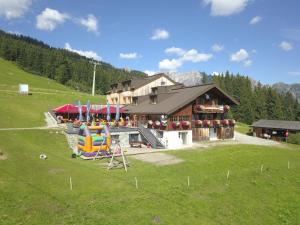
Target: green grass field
{"points": [[34, 191], [27, 110]]}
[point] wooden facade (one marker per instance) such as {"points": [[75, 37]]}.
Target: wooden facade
{"points": [[184, 114], [200, 109], [200, 134]]}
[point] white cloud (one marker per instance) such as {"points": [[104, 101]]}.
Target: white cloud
{"points": [[294, 73], [149, 72], [160, 34], [248, 63], [88, 54], [11, 9], [225, 7], [239, 56], [174, 50], [50, 18], [286, 46], [193, 56], [131, 55], [91, 23], [15, 32], [216, 73], [255, 20], [217, 47], [170, 65]]}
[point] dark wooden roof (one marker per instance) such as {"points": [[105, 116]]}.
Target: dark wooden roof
{"points": [[175, 99], [277, 124]]}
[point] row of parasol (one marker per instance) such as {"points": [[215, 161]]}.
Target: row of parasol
{"points": [[89, 109]]}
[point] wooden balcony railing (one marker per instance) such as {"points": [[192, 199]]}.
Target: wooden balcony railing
{"points": [[211, 108]]}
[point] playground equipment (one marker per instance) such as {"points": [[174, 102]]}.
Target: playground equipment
{"points": [[93, 139], [115, 162]]}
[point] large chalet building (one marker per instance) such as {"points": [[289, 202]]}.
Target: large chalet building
{"points": [[124, 92], [177, 115]]}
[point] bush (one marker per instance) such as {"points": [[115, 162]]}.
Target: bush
{"points": [[294, 138]]}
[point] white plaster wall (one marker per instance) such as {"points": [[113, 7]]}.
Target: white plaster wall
{"points": [[124, 137], [145, 90], [174, 141]]}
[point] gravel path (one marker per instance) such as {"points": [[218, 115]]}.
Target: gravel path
{"points": [[72, 142], [246, 139], [51, 122]]}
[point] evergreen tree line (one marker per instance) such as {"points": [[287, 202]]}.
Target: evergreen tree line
{"points": [[66, 67], [257, 101]]}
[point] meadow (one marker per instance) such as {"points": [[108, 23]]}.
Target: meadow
{"points": [[35, 191], [28, 110]]}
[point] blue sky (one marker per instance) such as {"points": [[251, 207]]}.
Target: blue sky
{"points": [[258, 38]]}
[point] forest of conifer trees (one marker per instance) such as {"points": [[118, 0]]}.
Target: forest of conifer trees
{"points": [[66, 67], [257, 101]]}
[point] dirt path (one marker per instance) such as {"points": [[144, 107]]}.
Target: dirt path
{"points": [[246, 139], [159, 158]]}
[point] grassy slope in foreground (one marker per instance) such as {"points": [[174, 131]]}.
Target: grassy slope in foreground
{"points": [[27, 111], [35, 191]]}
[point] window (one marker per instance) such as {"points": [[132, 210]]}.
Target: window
{"points": [[153, 99], [163, 83], [134, 100], [161, 134], [173, 118], [115, 138], [184, 118], [124, 100], [133, 137]]}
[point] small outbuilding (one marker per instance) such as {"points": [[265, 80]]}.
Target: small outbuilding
{"points": [[275, 129]]}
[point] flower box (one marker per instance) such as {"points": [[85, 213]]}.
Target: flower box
{"points": [[175, 124], [216, 122], [232, 122], [185, 124], [225, 122], [164, 124], [198, 122], [157, 124], [206, 123], [150, 123]]}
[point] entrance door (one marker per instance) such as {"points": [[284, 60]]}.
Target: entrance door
{"points": [[212, 133], [184, 137]]}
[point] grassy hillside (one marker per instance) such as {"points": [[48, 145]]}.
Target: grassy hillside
{"points": [[11, 76], [27, 111], [242, 128], [34, 191]]}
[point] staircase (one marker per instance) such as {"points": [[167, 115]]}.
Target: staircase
{"points": [[153, 141]]}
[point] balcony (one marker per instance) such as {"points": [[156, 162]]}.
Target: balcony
{"points": [[213, 123], [211, 108]]}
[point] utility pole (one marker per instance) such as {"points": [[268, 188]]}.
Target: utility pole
{"points": [[94, 77]]}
